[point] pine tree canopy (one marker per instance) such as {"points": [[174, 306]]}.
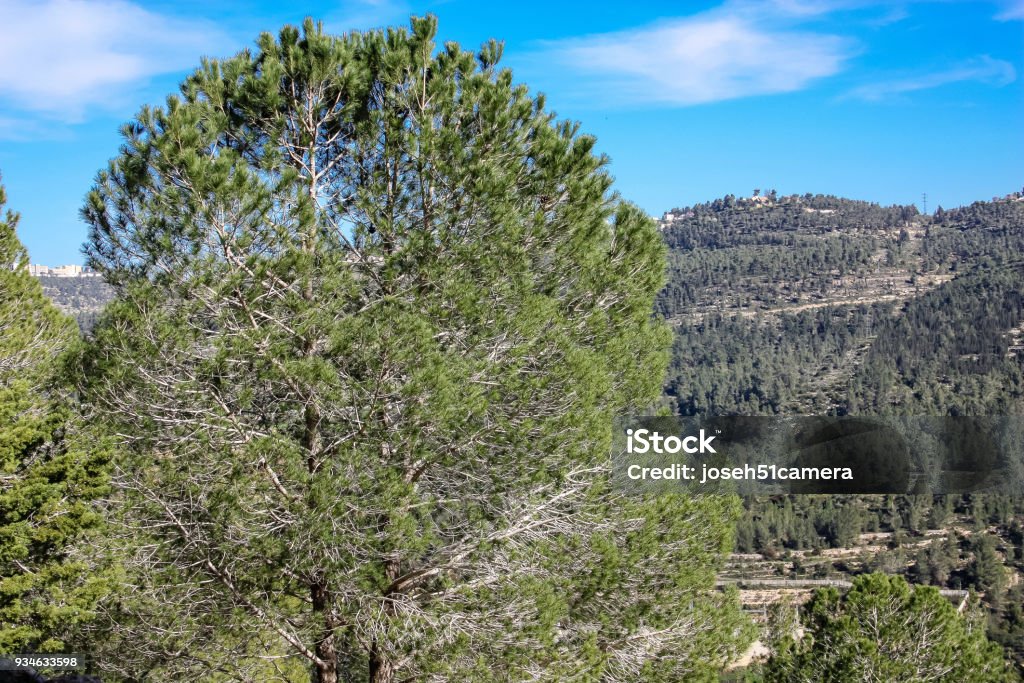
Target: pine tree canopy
{"points": [[376, 311], [884, 629]]}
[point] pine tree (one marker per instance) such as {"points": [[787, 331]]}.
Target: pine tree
{"points": [[986, 571], [883, 629], [50, 476], [376, 311]]}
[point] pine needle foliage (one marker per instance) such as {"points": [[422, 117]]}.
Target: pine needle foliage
{"points": [[51, 476], [376, 309]]}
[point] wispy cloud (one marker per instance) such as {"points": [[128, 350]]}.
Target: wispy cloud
{"points": [[890, 16], [983, 69], [709, 57], [796, 8], [22, 129], [1011, 10], [61, 57]]}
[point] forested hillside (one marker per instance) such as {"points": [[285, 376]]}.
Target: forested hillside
{"points": [[821, 305], [80, 297], [354, 381], [787, 306]]}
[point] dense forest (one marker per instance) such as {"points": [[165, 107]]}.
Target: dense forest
{"points": [[820, 305], [766, 251], [845, 313]]}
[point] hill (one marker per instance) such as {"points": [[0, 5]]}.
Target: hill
{"points": [[80, 297], [813, 304]]}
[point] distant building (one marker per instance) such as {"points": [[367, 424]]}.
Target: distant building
{"points": [[675, 215], [70, 270]]}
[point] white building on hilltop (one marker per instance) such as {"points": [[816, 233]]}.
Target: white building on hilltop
{"points": [[71, 270]]}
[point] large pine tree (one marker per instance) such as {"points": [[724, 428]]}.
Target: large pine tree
{"points": [[50, 477], [376, 311]]}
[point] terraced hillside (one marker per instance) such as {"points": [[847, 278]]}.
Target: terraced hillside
{"points": [[812, 304]]}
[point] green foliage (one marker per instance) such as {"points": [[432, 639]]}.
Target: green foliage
{"points": [[730, 254], [376, 309], [50, 473], [786, 307], [819, 305], [728, 365], [884, 629], [947, 353], [986, 569], [1007, 625]]}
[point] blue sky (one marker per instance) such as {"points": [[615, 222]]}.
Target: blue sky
{"points": [[871, 100]]}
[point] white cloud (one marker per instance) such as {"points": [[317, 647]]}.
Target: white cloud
{"points": [[982, 69], [705, 58], [60, 57]]}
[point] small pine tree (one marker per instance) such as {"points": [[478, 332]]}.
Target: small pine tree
{"points": [[883, 629]]}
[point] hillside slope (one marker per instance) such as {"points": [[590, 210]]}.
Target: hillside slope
{"points": [[822, 305], [812, 304]]}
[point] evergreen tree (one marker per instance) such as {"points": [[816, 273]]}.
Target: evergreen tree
{"points": [[49, 475], [883, 629], [986, 571], [375, 312]]}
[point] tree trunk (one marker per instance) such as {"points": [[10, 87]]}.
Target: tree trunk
{"points": [[381, 668], [327, 666], [327, 669]]}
